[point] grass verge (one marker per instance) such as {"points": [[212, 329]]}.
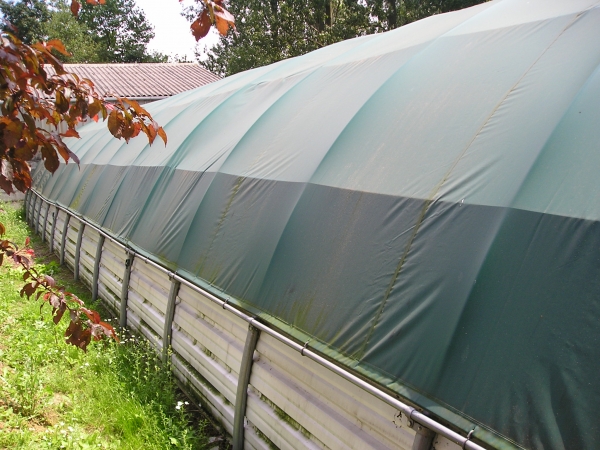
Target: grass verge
{"points": [[53, 395]]}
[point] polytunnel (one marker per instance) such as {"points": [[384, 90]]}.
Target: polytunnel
{"points": [[420, 207]]}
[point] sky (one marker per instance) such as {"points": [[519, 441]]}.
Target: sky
{"points": [[172, 31]]}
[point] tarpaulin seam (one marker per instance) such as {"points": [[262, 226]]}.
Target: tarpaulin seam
{"points": [[510, 293], [431, 197], [174, 156], [234, 192], [509, 208], [231, 150], [311, 71], [360, 352], [195, 184], [168, 165], [594, 73], [92, 166]]}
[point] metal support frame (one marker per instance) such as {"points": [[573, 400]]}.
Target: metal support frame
{"points": [[125, 288], [36, 225], [31, 205], [423, 438], [412, 414], [241, 397], [78, 250], [97, 267], [45, 223], [53, 229], [28, 195], [169, 314], [32, 215], [32, 208], [63, 243]]}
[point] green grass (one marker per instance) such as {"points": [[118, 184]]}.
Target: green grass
{"points": [[52, 395]]}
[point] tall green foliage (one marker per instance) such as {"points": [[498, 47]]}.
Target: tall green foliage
{"points": [[121, 31], [25, 19], [76, 36], [271, 30], [116, 32]]}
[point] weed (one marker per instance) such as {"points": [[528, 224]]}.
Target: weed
{"points": [[52, 395]]}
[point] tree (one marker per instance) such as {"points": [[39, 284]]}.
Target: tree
{"points": [[120, 30], [30, 98], [25, 19], [74, 34], [390, 14], [114, 32], [269, 31]]}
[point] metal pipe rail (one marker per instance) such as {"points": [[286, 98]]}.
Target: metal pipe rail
{"points": [[411, 413]]}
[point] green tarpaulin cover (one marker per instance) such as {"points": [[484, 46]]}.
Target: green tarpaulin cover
{"points": [[423, 205]]}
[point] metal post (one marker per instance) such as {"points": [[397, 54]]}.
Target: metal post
{"points": [[54, 216], [39, 213], [97, 267], [32, 218], [26, 203], [125, 288], [169, 314], [45, 223], [423, 438], [32, 198], [241, 397], [78, 251], [63, 243]]}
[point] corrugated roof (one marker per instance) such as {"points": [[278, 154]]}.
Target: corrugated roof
{"points": [[142, 80]]}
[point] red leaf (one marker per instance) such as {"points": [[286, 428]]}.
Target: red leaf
{"points": [[62, 103], [223, 20], [51, 162], [162, 134], [92, 315], [201, 26], [75, 7], [74, 157], [49, 280], [6, 183], [109, 331], [70, 133], [59, 313], [12, 133], [77, 336], [28, 289], [115, 123], [73, 327], [56, 44]]}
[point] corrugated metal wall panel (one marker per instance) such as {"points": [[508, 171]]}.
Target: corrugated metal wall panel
{"points": [[51, 218], [204, 362], [151, 285], [364, 416], [41, 216], [337, 413], [87, 255], [220, 408], [60, 223], [293, 402], [146, 312], [71, 242], [276, 427]]}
